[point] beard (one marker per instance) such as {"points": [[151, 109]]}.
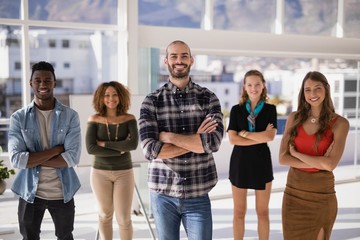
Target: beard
{"points": [[182, 74]]}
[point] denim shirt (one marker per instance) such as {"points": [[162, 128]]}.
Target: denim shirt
{"points": [[24, 137]]}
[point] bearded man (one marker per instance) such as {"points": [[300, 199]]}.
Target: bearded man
{"points": [[180, 127]]}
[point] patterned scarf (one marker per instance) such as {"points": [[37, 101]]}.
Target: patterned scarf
{"points": [[252, 115]]}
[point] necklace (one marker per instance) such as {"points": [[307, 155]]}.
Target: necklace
{"points": [[108, 131], [313, 119]]}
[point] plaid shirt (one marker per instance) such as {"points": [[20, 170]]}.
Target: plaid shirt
{"points": [[170, 109]]}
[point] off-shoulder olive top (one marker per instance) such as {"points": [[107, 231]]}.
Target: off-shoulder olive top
{"points": [[116, 153]]}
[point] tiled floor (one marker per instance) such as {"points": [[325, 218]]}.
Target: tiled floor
{"points": [[347, 225]]}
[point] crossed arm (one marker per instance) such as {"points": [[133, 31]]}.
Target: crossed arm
{"points": [[291, 157], [179, 144], [245, 138], [48, 158]]}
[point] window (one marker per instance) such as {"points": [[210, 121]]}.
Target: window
{"points": [[10, 9], [66, 65], [100, 11], [83, 44], [65, 43], [352, 20], [52, 43], [349, 102], [17, 65], [59, 83], [242, 15], [350, 86], [336, 86], [310, 17], [171, 13]]}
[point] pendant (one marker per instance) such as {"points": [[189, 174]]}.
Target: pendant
{"points": [[313, 120]]}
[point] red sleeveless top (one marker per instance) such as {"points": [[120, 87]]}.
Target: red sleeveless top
{"points": [[305, 143]]}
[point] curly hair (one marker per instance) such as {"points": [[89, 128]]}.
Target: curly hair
{"points": [[303, 109], [244, 96], [123, 93]]}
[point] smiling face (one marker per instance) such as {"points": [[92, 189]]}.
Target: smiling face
{"points": [[111, 98], [314, 92], [178, 60], [43, 84], [253, 86]]}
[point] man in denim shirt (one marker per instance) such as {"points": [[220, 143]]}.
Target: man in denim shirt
{"points": [[180, 127], [45, 144]]}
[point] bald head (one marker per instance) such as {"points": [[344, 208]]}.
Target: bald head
{"points": [[176, 42]]}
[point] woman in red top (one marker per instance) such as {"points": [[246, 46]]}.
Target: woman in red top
{"points": [[312, 145]]}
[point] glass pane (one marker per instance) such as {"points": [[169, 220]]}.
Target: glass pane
{"points": [[10, 9], [10, 77], [224, 75], [95, 59], [248, 16], [101, 11], [352, 18], [171, 13], [310, 17]]}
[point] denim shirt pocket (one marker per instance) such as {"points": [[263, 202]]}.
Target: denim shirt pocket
{"points": [[61, 132], [29, 136]]}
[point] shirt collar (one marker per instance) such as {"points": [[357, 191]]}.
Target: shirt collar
{"points": [[174, 89]]}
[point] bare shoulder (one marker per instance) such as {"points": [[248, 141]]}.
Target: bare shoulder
{"points": [[125, 118], [291, 118], [95, 118], [341, 123], [129, 117], [289, 123]]}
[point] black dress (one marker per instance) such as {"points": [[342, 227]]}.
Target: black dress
{"points": [[251, 166]]}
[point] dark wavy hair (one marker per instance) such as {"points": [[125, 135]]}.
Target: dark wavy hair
{"points": [[244, 96], [123, 93], [303, 109]]}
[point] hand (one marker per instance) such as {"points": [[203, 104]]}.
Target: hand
{"points": [[165, 137], [243, 133], [269, 127], [292, 150], [100, 143], [207, 126], [60, 148], [327, 153]]}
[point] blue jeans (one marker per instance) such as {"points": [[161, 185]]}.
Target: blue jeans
{"points": [[30, 216], [194, 213]]}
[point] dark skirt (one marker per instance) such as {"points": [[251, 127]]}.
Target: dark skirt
{"points": [[309, 204]]}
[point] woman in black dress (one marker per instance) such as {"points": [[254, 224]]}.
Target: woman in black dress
{"points": [[253, 123]]}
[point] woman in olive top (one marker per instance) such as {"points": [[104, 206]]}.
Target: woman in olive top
{"points": [[111, 135]]}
